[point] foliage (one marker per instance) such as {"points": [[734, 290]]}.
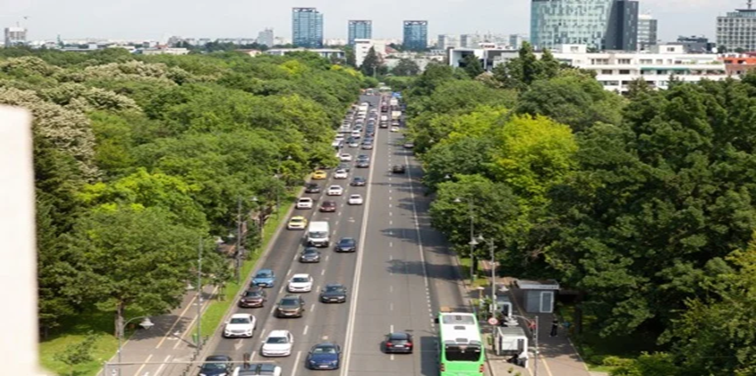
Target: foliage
{"points": [[406, 67], [78, 353], [472, 65], [371, 64]]}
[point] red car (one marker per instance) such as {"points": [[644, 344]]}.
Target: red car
{"points": [[328, 206]]}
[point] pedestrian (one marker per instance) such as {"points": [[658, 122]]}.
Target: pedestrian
{"points": [[554, 327]]}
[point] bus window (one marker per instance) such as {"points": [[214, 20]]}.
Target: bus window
{"points": [[464, 353]]}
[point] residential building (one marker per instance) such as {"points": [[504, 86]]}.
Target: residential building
{"points": [[415, 35], [15, 36], [647, 31], [622, 27], [469, 40], [323, 52], [307, 27], [739, 64], [363, 46], [360, 29], [516, 40], [447, 41], [616, 69], [695, 44], [163, 51], [266, 37], [737, 30], [558, 22]]}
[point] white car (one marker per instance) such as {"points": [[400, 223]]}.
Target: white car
{"points": [[356, 134], [300, 283], [345, 157], [278, 343], [355, 200], [340, 174], [395, 129], [240, 325], [339, 138], [335, 190], [268, 369], [304, 203], [354, 144]]}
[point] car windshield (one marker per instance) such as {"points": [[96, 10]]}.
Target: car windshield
{"points": [[263, 274], [324, 350], [305, 200], [334, 288], [340, 171], [355, 196], [335, 188], [310, 251], [253, 294], [289, 302], [214, 366], [277, 340], [347, 242], [300, 279], [240, 320], [297, 219], [398, 336], [318, 234]]}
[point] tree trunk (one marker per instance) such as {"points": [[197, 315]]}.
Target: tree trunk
{"points": [[119, 320], [579, 313]]}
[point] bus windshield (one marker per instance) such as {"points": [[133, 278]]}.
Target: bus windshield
{"points": [[455, 353], [318, 234]]}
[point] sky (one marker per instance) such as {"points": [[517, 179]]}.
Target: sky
{"points": [[160, 19]]}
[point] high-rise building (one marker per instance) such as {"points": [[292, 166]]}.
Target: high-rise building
{"points": [[266, 37], [558, 22], [415, 35], [695, 44], [15, 36], [360, 29], [737, 30], [622, 27], [516, 40], [469, 40], [447, 41], [307, 27], [647, 32]]}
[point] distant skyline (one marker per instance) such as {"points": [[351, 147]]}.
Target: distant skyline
{"points": [[160, 19]]}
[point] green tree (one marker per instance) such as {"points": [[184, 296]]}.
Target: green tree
{"points": [[406, 67], [133, 258], [79, 353], [472, 65], [371, 63], [350, 58]]}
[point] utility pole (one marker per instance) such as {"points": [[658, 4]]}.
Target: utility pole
{"points": [[238, 242], [472, 243], [535, 343], [199, 296], [493, 278]]}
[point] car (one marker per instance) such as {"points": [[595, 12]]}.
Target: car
{"points": [[363, 157], [278, 343], [240, 325], [216, 365], [345, 157], [258, 369], [333, 293], [363, 164], [358, 181], [312, 188], [368, 139], [290, 306], [395, 129], [335, 190], [355, 199], [319, 175], [253, 297], [304, 203], [339, 138], [309, 255], [340, 174], [264, 278], [367, 146], [301, 282], [328, 206], [344, 166], [356, 134], [398, 169], [324, 355], [354, 144], [346, 244], [297, 223], [398, 342], [409, 145], [383, 124]]}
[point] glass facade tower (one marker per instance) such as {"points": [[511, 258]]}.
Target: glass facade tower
{"points": [[307, 27], [737, 30], [555, 22], [415, 35], [360, 29]]}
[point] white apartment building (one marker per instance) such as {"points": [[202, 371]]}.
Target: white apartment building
{"points": [[323, 52], [615, 70], [362, 47], [446, 41]]}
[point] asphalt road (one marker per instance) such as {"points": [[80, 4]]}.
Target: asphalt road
{"points": [[400, 276]]}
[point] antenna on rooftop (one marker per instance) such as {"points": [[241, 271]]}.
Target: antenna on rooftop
{"points": [[750, 3]]}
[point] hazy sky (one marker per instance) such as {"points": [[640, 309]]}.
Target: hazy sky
{"points": [[156, 19]]}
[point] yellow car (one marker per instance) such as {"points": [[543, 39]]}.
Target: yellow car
{"points": [[319, 175], [297, 223]]}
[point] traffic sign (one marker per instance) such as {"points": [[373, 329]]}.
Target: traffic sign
{"points": [[493, 321]]}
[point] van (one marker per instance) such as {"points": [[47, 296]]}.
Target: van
{"points": [[384, 117], [318, 234]]}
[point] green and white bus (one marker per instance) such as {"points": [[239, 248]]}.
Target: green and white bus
{"points": [[461, 351]]}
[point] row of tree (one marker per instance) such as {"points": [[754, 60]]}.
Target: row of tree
{"points": [[139, 158], [641, 204]]}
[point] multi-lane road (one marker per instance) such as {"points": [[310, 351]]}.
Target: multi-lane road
{"points": [[398, 278]]}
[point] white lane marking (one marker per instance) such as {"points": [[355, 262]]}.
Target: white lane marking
{"points": [[391, 308], [238, 345], [391, 258], [391, 328], [391, 214], [287, 273], [322, 272], [296, 364], [389, 191], [162, 365], [312, 307], [390, 198], [417, 225], [390, 206], [304, 333], [262, 334], [327, 256], [170, 331], [391, 288], [391, 244], [357, 274], [252, 356], [143, 365], [391, 222]]}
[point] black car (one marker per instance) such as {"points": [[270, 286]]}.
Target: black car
{"points": [[344, 166], [358, 181], [347, 245], [333, 293], [398, 342], [290, 306], [398, 169], [217, 365], [312, 188], [254, 297], [324, 356], [309, 255]]}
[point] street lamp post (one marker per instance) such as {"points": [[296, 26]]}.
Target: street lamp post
{"points": [[146, 323], [238, 241], [493, 272], [199, 296], [472, 242]]}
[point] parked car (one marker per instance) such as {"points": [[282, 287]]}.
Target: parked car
{"points": [[333, 293], [240, 325], [345, 157], [264, 278], [319, 175], [324, 355], [253, 297], [278, 343]]}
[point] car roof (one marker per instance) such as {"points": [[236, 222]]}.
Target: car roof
{"points": [[399, 335], [309, 249], [278, 333], [302, 275], [291, 296], [347, 238], [305, 199], [241, 316], [297, 217], [335, 186]]}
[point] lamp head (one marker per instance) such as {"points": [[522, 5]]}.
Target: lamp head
{"points": [[146, 323]]}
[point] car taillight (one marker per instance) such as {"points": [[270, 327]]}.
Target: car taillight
{"points": [[482, 368], [409, 344], [443, 367], [389, 344]]}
